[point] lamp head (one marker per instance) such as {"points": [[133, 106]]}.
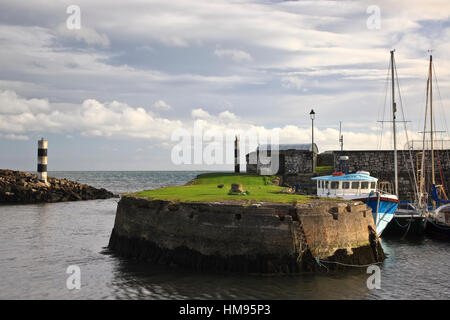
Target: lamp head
{"points": [[312, 114]]}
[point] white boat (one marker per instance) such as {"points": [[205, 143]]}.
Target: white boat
{"points": [[363, 187]]}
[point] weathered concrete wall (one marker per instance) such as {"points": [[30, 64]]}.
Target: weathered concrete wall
{"points": [[269, 238]]}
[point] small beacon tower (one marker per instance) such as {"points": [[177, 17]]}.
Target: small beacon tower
{"points": [[42, 160], [237, 153]]}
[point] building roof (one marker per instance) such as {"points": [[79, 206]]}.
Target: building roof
{"points": [[347, 177], [293, 146]]}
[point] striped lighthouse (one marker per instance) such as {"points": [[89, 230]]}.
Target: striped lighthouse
{"points": [[237, 168], [42, 160]]}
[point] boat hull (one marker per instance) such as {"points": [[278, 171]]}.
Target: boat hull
{"points": [[410, 226], [437, 230], [385, 214]]}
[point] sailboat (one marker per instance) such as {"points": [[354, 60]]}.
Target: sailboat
{"points": [[361, 185], [438, 218], [423, 214]]}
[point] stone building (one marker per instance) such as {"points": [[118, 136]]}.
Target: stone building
{"points": [[287, 159]]}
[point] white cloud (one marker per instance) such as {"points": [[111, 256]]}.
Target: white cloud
{"points": [[236, 55], [162, 105], [91, 118], [10, 103], [322, 49], [292, 82], [227, 115], [12, 136], [200, 113], [118, 120], [84, 34]]}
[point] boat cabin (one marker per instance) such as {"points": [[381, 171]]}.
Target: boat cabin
{"points": [[347, 186]]}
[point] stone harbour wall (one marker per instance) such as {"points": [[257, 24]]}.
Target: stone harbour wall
{"points": [[380, 164], [255, 238], [383, 160]]}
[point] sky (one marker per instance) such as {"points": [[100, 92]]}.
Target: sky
{"points": [[115, 87]]}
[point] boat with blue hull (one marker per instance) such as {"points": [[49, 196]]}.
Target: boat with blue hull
{"points": [[360, 186]]}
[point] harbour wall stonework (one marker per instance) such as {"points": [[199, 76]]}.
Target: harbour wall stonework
{"points": [[380, 164], [255, 238]]}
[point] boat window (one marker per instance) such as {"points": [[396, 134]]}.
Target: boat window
{"points": [[345, 185], [334, 184], [355, 185], [365, 185], [322, 184], [326, 184], [373, 185]]}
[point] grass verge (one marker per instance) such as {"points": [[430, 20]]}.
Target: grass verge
{"points": [[205, 188]]}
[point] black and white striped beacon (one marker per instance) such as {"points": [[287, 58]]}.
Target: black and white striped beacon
{"points": [[42, 160], [237, 167]]}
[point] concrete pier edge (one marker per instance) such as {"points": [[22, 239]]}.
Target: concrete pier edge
{"points": [[225, 237]]}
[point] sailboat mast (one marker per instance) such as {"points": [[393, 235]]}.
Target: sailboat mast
{"points": [[394, 110], [431, 120]]}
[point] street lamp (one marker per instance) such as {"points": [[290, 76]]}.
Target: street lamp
{"points": [[312, 115]]}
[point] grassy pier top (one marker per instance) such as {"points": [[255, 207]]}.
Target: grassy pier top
{"points": [[205, 188]]}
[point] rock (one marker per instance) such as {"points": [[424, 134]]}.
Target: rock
{"points": [[24, 187], [287, 190], [236, 187]]}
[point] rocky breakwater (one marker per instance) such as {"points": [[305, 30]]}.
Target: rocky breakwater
{"points": [[23, 187], [246, 237]]}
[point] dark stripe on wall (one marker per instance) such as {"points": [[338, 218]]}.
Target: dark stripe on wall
{"points": [[42, 168], [42, 152]]}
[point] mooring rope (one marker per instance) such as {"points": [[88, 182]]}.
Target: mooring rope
{"points": [[319, 262], [437, 226], [403, 227]]}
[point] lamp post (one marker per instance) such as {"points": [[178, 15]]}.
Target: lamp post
{"points": [[312, 115]]}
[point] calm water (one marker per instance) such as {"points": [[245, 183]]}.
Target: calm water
{"points": [[39, 242]]}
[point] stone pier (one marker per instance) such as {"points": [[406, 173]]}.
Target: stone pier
{"points": [[247, 238]]}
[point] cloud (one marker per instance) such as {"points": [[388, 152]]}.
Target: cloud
{"points": [[90, 118], [200, 113], [227, 115], [292, 82], [117, 120], [289, 57], [235, 55], [160, 104], [10, 103], [12, 136], [84, 34]]}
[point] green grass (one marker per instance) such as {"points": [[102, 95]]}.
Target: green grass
{"points": [[205, 188], [324, 170]]}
